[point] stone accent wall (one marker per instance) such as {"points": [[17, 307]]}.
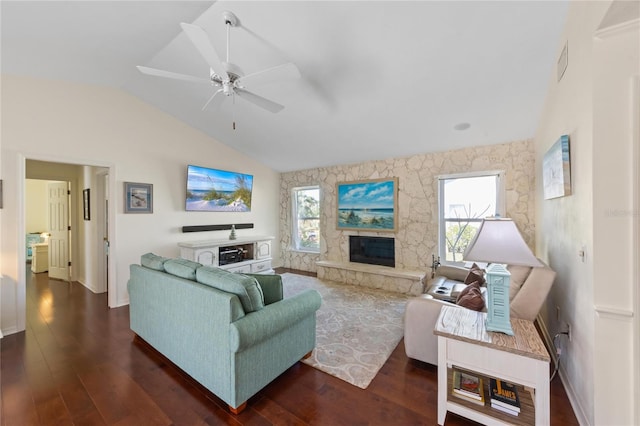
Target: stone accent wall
{"points": [[417, 236]]}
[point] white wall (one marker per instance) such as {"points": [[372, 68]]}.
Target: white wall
{"points": [[86, 125], [592, 105]]}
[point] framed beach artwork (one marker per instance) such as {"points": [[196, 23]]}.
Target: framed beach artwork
{"points": [[138, 197], [556, 170], [368, 205]]}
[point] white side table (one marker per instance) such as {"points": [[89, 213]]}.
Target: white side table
{"points": [[521, 359], [40, 259]]}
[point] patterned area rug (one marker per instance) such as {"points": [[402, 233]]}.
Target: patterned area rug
{"points": [[357, 327]]}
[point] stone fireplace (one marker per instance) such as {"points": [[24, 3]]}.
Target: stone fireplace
{"points": [[372, 264]]}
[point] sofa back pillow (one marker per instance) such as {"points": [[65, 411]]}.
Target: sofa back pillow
{"points": [[153, 261], [182, 268], [246, 288], [476, 274], [471, 297]]}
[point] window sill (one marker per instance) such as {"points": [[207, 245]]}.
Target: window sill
{"points": [[297, 250]]}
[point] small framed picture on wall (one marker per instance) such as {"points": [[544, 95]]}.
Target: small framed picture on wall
{"points": [[86, 203], [138, 197]]}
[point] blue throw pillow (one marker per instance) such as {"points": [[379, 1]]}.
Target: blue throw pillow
{"points": [[182, 268], [153, 261], [246, 288]]}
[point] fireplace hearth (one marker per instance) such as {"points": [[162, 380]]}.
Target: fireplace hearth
{"points": [[372, 250]]}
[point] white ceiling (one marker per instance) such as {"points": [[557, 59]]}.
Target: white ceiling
{"points": [[380, 79]]}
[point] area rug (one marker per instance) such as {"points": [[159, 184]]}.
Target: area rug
{"points": [[357, 327]]}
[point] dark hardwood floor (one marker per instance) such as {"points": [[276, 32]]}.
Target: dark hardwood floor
{"points": [[77, 363]]}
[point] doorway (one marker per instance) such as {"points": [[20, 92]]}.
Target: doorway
{"points": [[88, 233], [48, 227]]}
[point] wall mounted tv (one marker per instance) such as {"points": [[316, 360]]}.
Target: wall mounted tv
{"points": [[212, 190]]}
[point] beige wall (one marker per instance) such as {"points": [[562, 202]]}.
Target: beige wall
{"points": [[35, 208], [417, 236], [88, 125], [597, 296]]}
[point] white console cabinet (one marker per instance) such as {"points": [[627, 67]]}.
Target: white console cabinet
{"points": [[255, 254]]}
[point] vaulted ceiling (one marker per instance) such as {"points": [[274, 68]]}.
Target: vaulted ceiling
{"points": [[380, 79]]}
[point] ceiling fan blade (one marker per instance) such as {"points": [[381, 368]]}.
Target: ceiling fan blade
{"points": [[215, 101], [286, 71], [259, 101], [169, 74], [200, 39]]}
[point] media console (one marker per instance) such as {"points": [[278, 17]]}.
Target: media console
{"points": [[244, 254]]}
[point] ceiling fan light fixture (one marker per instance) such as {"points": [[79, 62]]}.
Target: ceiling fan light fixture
{"points": [[233, 70]]}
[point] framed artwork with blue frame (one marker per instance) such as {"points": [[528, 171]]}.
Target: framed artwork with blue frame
{"points": [[138, 197]]}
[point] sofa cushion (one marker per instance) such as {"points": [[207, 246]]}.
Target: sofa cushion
{"points": [[246, 288], [471, 297], [153, 261], [182, 268], [476, 274]]}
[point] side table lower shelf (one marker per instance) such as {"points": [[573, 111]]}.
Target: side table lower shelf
{"points": [[527, 409], [521, 359]]}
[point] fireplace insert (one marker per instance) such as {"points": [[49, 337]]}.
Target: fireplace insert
{"points": [[372, 250]]}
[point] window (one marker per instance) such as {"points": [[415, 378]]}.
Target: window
{"points": [[306, 218], [465, 200]]}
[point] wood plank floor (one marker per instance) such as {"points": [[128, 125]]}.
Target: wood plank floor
{"points": [[78, 364]]}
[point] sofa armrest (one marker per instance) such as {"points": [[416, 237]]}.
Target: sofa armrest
{"points": [[420, 319], [529, 300], [456, 273], [271, 287], [272, 319]]}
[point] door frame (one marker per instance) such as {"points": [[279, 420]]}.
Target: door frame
{"points": [[100, 203], [112, 288], [635, 185]]}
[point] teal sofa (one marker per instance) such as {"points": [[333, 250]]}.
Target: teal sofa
{"points": [[230, 332]]}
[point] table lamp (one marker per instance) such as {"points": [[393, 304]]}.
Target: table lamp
{"points": [[499, 243]]}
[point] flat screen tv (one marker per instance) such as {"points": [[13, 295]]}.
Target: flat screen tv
{"points": [[212, 190]]}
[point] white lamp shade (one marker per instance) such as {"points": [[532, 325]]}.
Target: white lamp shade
{"points": [[499, 241]]}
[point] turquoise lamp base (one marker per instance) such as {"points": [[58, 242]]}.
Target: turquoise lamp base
{"points": [[498, 317]]}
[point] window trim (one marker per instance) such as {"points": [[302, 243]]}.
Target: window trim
{"points": [[500, 205], [294, 246]]}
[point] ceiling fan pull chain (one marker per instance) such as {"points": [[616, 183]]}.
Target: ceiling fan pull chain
{"points": [[233, 111]]}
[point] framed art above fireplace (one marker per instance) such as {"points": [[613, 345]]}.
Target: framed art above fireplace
{"points": [[368, 205]]}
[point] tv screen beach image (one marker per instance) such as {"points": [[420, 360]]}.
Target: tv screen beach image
{"points": [[214, 190]]}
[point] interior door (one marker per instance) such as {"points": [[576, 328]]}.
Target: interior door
{"points": [[59, 230]]}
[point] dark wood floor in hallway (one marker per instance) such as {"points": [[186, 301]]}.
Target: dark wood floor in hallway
{"points": [[78, 364]]}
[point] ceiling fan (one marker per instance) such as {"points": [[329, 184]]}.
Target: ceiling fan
{"points": [[226, 76]]}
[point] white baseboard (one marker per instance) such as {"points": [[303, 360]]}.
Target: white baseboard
{"points": [[571, 394], [8, 331], [568, 388]]}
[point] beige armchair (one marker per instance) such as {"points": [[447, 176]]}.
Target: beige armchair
{"points": [[528, 290]]}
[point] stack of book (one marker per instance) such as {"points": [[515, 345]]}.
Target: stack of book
{"points": [[468, 387], [504, 397]]}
